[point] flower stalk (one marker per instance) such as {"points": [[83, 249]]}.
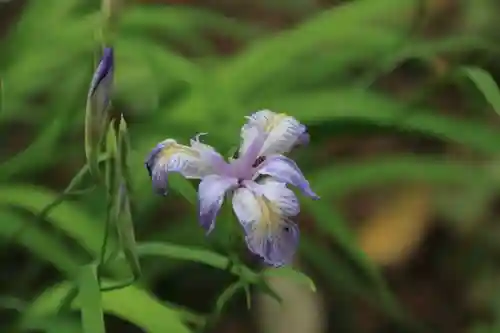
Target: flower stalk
{"points": [[110, 13]]}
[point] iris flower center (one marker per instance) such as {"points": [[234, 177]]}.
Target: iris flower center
{"points": [[258, 161], [255, 164]]}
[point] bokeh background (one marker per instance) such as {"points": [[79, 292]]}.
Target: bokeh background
{"points": [[400, 99]]}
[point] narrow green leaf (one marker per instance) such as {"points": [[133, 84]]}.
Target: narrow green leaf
{"points": [[119, 202], [125, 226], [69, 190], [232, 152], [182, 186], [485, 84], [90, 300], [227, 294], [12, 303], [390, 169], [202, 256], [41, 243], [292, 274], [183, 23], [206, 257], [359, 105], [248, 296], [56, 324], [48, 136], [335, 26], [76, 222], [131, 304], [1, 95], [112, 164], [92, 141], [124, 150]]}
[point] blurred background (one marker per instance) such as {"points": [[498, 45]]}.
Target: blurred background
{"points": [[400, 100]]}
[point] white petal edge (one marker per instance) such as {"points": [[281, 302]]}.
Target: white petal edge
{"points": [[282, 132], [279, 194], [268, 233]]}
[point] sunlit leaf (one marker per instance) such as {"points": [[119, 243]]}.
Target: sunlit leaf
{"points": [[131, 303], [486, 85], [76, 222], [365, 106], [43, 148], [39, 242], [182, 24], [90, 300], [391, 169], [182, 186], [56, 324], [125, 227], [290, 273]]}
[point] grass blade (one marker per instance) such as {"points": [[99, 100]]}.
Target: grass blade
{"points": [[485, 84], [90, 300]]}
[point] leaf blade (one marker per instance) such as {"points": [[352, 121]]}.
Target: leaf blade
{"points": [[90, 300]]}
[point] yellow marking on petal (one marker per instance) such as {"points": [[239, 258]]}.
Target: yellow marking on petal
{"points": [[270, 215], [274, 121], [175, 148]]}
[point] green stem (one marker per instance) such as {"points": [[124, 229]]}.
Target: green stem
{"points": [[110, 12]]}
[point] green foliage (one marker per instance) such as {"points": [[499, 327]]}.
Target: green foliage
{"points": [[89, 294], [486, 84], [304, 71]]}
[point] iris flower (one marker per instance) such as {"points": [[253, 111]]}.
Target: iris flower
{"points": [[256, 180]]}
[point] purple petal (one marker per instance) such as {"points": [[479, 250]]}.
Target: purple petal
{"points": [[286, 170], [278, 248], [192, 162], [157, 174], [281, 132], [208, 153], [211, 192], [303, 139], [159, 179], [150, 161], [278, 194], [242, 167], [166, 157], [104, 68], [102, 81], [269, 232]]}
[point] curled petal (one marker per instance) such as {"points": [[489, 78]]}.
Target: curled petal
{"points": [[268, 232], [281, 132], [211, 192], [191, 162], [286, 170]]}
